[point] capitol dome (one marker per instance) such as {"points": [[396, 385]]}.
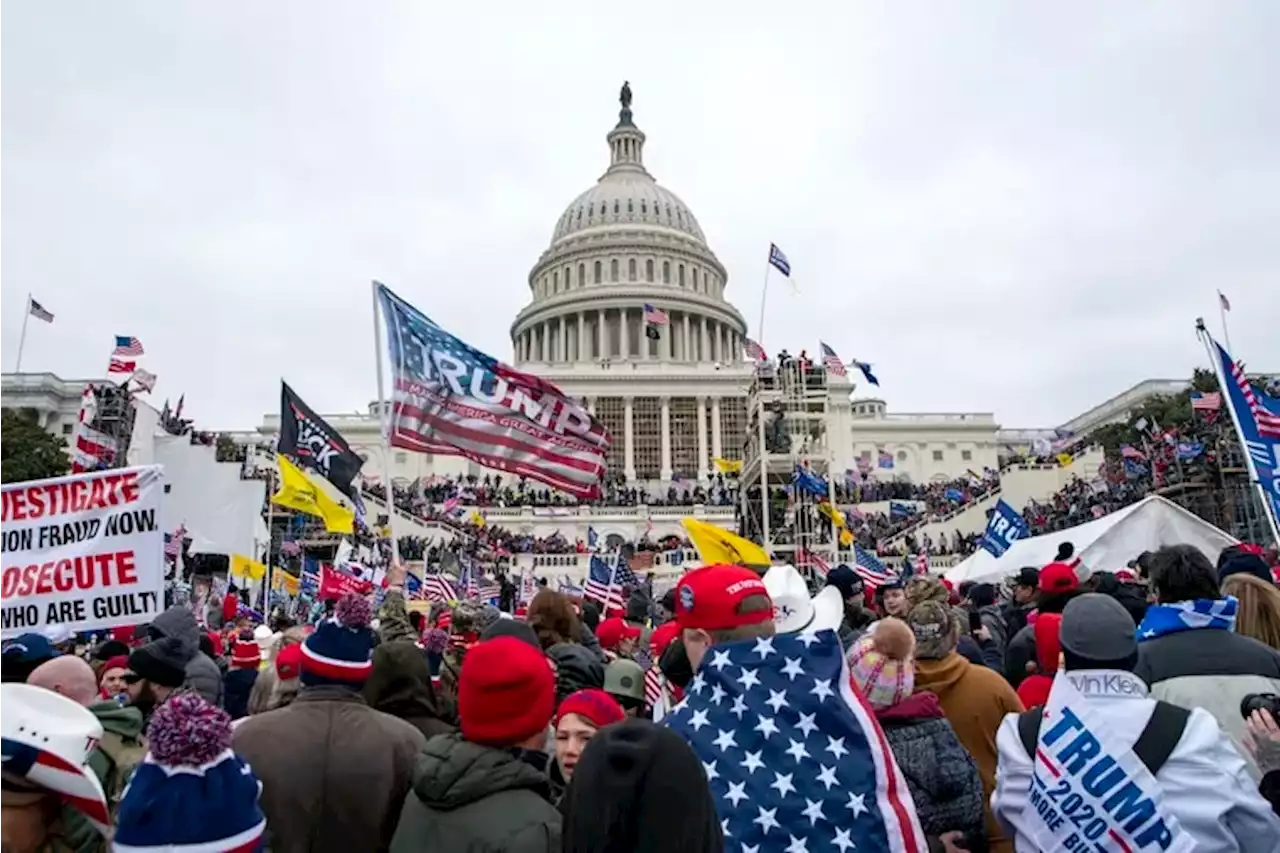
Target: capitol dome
{"points": [[624, 244]]}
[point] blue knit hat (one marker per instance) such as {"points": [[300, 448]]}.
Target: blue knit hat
{"points": [[339, 651], [191, 792]]}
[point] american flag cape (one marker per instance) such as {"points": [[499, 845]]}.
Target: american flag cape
{"points": [[438, 587], [794, 756], [452, 399]]}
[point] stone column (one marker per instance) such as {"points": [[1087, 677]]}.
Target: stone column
{"points": [[643, 345], [666, 347], [688, 355], [706, 340], [564, 337], [602, 340], [717, 450], [582, 336], [666, 439], [624, 334], [591, 405], [628, 436], [722, 341], [702, 439], [542, 342]]}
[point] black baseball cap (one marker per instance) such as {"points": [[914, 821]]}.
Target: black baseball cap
{"points": [[1027, 576]]}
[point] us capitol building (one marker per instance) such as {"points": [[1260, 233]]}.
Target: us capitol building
{"points": [[672, 403]]}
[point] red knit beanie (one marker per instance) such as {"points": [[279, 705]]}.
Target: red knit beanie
{"points": [[593, 705], [289, 662], [506, 692], [245, 654]]}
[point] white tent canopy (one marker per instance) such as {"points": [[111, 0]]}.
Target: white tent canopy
{"points": [[1104, 544]]}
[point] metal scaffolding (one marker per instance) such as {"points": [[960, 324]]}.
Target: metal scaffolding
{"points": [[787, 417]]}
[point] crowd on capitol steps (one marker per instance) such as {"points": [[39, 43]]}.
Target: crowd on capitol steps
{"points": [[735, 711]]}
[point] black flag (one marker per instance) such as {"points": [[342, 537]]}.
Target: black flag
{"points": [[306, 437]]}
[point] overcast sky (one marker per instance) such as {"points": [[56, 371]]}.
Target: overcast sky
{"points": [[1004, 207]]}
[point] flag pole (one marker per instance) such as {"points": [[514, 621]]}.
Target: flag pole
{"points": [[1222, 312], [385, 413], [1267, 508], [22, 337], [271, 517], [764, 293]]}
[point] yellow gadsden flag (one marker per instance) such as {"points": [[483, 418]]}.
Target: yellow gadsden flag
{"points": [[282, 580], [1065, 460], [247, 569], [300, 492], [717, 545], [728, 466]]}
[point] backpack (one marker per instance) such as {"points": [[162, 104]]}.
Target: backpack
{"points": [[1153, 747], [125, 756]]}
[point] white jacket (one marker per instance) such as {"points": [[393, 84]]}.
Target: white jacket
{"points": [[1204, 782]]}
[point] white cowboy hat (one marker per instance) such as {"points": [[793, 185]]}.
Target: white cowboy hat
{"points": [[794, 610], [47, 741]]}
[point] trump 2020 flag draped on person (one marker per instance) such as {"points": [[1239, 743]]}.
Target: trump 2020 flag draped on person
{"points": [[453, 399], [795, 758]]}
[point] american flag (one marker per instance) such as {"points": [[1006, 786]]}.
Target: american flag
{"points": [[310, 577], [869, 567], [831, 361], [604, 583], [1268, 421], [119, 366], [173, 547], [653, 685], [1130, 452], [93, 450], [778, 259], [754, 351], [452, 399], [40, 312], [794, 756], [655, 316], [450, 505], [805, 557], [127, 346], [1206, 401], [437, 587]]}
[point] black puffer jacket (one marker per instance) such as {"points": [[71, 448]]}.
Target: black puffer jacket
{"points": [[468, 797], [577, 668]]}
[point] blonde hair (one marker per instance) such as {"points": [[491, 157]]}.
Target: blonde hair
{"points": [[1258, 615]]}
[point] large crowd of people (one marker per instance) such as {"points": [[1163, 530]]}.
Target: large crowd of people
{"points": [[570, 724]]}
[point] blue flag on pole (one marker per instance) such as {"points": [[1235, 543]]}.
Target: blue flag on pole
{"points": [[807, 481], [1005, 527], [1258, 416], [794, 756], [779, 260]]}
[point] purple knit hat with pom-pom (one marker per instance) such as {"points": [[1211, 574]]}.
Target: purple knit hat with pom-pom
{"points": [[339, 651], [191, 792]]}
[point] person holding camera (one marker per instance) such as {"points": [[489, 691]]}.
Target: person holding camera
{"points": [[1261, 712], [1189, 651], [1202, 780]]}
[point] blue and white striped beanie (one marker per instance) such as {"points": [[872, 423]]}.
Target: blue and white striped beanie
{"points": [[191, 793], [340, 650]]}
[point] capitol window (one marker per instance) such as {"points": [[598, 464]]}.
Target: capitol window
{"points": [[631, 206], [937, 456], [648, 270], [597, 270], [582, 274], [613, 270], [966, 455], [615, 206], [591, 210], [695, 278], [681, 275], [644, 208], [555, 282], [666, 272], [902, 456], [631, 269]]}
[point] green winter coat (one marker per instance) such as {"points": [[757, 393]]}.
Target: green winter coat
{"points": [[121, 749], [468, 798]]}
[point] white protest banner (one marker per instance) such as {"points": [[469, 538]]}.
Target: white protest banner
{"points": [[84, 552], [1090, 793]]}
